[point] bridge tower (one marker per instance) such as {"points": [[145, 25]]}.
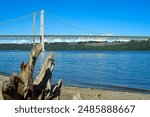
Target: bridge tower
{"points": [[42, 28], [34, 27]]}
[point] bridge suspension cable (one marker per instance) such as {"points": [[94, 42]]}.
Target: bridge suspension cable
{"points": [[17, 18], [68, 23]]}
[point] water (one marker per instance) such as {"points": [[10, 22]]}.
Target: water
{"points": [[115, 70]]}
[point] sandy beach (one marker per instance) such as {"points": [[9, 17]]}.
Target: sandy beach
{"points": [[74, 93]]}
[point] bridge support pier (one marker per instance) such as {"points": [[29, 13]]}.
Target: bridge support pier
{"points": [[42, 28]]}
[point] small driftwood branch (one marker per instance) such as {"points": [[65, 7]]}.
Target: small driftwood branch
{"points": [[22, 86]]}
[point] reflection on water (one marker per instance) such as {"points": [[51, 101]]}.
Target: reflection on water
{"points": [[96, 69]]}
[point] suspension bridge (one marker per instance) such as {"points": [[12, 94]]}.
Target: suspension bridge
{"points": [[42, 38]]}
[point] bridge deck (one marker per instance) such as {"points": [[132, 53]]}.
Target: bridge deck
{"points": [[94, 37], [120, 36]]}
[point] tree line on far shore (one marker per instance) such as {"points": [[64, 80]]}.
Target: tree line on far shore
{"points": [[116, 45]]}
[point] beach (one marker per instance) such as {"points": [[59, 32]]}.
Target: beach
{"points": [[78, 93]]}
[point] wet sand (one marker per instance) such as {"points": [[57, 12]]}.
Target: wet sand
{"points": [[74, 93]]}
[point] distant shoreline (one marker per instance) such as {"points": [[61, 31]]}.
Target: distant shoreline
{"points": [[116, 45], [73, 92]]}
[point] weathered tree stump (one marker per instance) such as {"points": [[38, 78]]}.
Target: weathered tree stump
{"points": [[21, 86]]}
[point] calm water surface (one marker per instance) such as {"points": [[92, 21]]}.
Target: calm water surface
{"points": [[124, 70]]}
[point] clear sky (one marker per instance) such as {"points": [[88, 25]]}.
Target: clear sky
{"points": [[118, 17]]}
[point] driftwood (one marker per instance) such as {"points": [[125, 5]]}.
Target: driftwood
{"points": [[21, 86]]}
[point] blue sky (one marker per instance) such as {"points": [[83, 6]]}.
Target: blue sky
{"points": [[118, 17]]}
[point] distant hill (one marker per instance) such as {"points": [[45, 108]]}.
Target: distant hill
{"points": [[131, 45]]}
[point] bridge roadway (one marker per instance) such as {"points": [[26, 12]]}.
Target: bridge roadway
{"points": [[77, 37]]}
